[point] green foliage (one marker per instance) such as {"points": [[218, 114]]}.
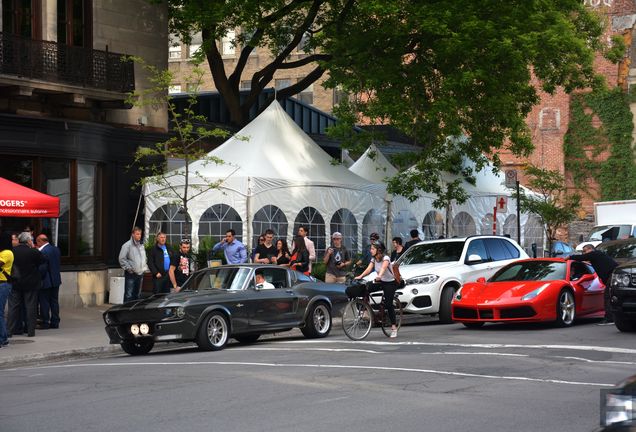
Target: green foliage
{"points": [[318, 270], [583, 143], [551, 203], [186, 142], [449, 69]]}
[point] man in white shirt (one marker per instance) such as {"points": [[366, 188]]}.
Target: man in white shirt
{"points": [[261, 283]]}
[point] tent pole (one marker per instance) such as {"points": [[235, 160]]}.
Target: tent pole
{"points": [[248, 209], [389, 221], [57, 230]]}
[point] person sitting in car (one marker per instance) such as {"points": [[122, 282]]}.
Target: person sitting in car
{"points": [[261, 283]]}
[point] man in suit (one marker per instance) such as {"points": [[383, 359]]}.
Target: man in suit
{"points": [[24, 291], [48, 296]]}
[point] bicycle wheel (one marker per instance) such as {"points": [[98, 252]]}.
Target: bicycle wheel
{"points": [[357, 318], [386, 322]]}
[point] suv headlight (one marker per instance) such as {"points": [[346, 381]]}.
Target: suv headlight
{"points": [[422, 280], [621, 279]]}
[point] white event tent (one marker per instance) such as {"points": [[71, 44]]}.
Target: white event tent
{"points": [[273, 176], [475, 216]]}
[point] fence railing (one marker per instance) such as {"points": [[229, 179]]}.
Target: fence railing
{"points": [[64, 64]]}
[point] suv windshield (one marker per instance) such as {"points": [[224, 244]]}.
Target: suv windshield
{"points": [[433, 252], [531, 271], [624, 250]]}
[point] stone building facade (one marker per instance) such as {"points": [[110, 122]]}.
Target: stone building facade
{"points": [[65, 126]]}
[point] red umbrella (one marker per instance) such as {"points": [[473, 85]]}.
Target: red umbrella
{"points": [[21, 201]]}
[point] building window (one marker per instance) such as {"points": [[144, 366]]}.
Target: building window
{"points": [[56, 181], [193, 49], [282, 83], [74, 23], [175, 52], [228, 47], [339, 95], [22, 18], [307, 95], [88, 210], [174, 88], [246, 85]]}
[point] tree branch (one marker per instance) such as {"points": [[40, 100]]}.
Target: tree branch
{"points": [[304, 61]]}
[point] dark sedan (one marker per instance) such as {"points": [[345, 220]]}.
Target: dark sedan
{"points": [[222, 302]]}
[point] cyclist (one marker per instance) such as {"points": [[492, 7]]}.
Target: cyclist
{"points": [[384, 280]]}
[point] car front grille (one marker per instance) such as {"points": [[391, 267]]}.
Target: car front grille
{"points": [[486, 314], [422, 301], [461, 312], [519, 312], [122, 317]]}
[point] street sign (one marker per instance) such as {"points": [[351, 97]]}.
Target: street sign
{"points": [[502, 204], [511, 178]]}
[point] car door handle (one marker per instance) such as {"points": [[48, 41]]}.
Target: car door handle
{"points": [[289, 291]]}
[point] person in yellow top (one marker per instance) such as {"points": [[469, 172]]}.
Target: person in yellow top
{"points": [[6, 264]]}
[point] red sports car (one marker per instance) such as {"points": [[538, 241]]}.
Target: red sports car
{"points": [[549, 289]]}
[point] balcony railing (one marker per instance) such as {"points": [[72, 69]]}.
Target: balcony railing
{"points": [[63, 64]]}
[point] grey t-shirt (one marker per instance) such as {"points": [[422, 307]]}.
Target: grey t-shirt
{"points": [[339, 255]]}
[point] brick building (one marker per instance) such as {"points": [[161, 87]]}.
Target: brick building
{"points": [[549, 120]]}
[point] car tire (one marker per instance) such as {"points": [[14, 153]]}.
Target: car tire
{"points": [[624, 325], [445, 313], [473, 325], [248, 338], [565, 308], [213, 333], [138, 347], [318, 321]]}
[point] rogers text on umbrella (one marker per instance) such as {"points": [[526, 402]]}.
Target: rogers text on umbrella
{"points": [[12, 203]]}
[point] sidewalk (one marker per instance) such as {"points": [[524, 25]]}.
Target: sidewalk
{"points": [[81, 333]]}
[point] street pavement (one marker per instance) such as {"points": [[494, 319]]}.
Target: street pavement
{"points": [[81, 333]]}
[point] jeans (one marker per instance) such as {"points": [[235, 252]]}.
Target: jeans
{"points": [[132, 286], [5, 289], [161, 285]]}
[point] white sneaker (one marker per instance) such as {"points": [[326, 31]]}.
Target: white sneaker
{"points": [[393, 334]]}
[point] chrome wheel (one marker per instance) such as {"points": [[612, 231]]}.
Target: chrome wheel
{"points": [[214, 332], [322, 319], [566, 309]]}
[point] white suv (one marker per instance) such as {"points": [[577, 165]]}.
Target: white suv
{"points": [[434, 270]]}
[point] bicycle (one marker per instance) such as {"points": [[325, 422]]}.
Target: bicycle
{"points": [[363, 311]]}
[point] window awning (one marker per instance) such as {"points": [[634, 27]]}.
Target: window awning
{"points": [[20, 201]]}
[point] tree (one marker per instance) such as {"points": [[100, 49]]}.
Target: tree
{"points": [[431, 69], [278, 25], [550, 202], [186, 141]]}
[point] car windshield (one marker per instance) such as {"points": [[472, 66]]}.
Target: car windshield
{"points": [[226, 278], [433, 252], [622, 250], [610, 232], [531, 271]]}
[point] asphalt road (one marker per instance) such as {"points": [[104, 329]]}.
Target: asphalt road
{"points": [[432, 378]]}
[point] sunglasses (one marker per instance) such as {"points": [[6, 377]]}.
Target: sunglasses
{"points": [[185, 241]]}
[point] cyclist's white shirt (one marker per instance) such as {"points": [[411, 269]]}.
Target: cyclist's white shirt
{"points": [[387, 276]]}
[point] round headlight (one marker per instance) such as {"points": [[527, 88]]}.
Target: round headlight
{"points": [[107, 319], [144, 329], [180, 312], [624, 279], [134, 329]]}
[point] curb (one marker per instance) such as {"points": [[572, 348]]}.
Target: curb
{"points": [[33, 359]]}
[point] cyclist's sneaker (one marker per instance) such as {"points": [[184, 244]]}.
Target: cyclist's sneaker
{"points": [[393, 333]]}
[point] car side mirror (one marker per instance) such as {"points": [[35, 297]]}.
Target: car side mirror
{"points": [[481, 280], [474, 259]]}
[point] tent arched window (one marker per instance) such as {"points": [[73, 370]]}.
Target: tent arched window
{"points": [[403, 222], [171, 220], [269, 217], [433, 225], [312, 219], [486, 225], [533, 233], [510, 227], [345, 222], [217, 220], [372, 222], [464, 225]]}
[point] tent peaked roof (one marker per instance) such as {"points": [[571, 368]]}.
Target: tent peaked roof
{"points": [[373, 166], [272, 146], [20, 201]]}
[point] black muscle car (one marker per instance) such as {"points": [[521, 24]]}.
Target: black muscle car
{"points": [[224, 302]]}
